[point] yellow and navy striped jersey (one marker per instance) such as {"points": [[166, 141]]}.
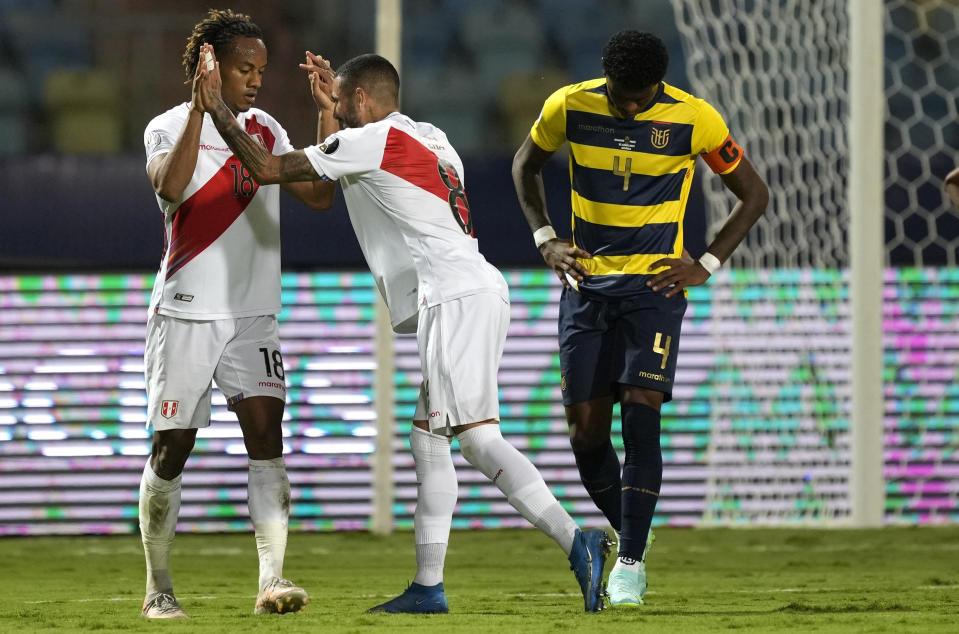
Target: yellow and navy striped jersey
{"points": [[630, 177]]}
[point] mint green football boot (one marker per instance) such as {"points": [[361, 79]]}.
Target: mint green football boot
{"points": [[626, 585]]}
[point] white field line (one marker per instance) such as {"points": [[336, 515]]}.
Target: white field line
{"points": [[206, 597]]}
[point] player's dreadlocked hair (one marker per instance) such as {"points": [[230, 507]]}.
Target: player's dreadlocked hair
{"points": [[219, 28], [374, 73], [635, 60]]}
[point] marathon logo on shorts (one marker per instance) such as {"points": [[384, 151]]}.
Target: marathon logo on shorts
{"points": [[434, 414], [168, 408], [655, 377], [274, 384], [562, 381]]}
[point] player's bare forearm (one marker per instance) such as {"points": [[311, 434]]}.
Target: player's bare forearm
{"points": [[753, 196], [318, 195], [528, 180], [265, 167], [171, 173], [559, 254], [684, 272]]}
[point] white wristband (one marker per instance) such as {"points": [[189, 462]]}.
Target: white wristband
{"points": [[543, 234], [709, 262]]}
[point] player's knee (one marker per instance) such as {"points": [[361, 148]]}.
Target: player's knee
{"points": [[263, 442], [475, 441], [643, 396], [585, 438], [171, 449]]}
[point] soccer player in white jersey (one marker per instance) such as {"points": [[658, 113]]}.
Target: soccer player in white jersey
{"points": [[213, 310], [403, 184]]}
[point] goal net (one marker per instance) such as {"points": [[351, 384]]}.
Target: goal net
{"points": [[779, 422]]}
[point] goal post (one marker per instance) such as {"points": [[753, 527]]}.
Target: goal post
{"points": [[866, 482], [800, 85]]}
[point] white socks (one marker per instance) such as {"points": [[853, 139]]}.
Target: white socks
{"points": [[159, 508], [485, 448], [269, 502], [435, 501]]}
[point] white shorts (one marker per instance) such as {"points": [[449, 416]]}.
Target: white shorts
{"points": [[461, 343], [183, 356]]}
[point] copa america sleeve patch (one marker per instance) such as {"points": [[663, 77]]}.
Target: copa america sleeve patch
{"points": [[155, 140], [329, 148]]}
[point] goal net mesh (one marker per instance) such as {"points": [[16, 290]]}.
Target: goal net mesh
{"points": [[779, 421]]}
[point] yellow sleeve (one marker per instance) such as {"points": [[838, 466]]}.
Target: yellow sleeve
{"points": [[711, 138], [549, 130], [709, 131]]}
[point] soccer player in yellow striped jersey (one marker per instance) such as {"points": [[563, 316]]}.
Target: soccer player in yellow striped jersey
{"points": [[633, 143]]}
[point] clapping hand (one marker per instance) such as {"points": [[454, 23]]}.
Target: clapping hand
{"points": [[321, 75], [207, 83]]}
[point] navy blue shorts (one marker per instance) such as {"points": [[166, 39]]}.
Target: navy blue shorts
{"points": [[630, 341]]}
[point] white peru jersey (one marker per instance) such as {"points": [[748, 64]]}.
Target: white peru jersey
{"points": [[403, 184], [222, 238]]}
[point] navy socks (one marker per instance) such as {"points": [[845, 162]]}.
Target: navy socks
{"points": [[642, 476], [599, 472]]}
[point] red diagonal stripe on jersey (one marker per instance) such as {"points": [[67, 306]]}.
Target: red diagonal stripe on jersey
{"points": [[204, 216], [409, 159]]}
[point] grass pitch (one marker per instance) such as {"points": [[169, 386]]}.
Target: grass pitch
{"points": [[748, 580]]}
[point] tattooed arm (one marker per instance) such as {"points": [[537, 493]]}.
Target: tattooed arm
{"points": [[265, 167]]}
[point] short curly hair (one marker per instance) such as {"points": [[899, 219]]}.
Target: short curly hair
{"points": [[635, 60], [219, 28]]}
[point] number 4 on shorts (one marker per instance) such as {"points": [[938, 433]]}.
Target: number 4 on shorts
{"points": [[660, 349]]}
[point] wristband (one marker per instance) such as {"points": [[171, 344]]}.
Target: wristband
{"points": [[543, 234], [709, 262]]}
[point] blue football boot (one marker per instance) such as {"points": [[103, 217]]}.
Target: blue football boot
{"points": [[586, 559], [416, 599]]}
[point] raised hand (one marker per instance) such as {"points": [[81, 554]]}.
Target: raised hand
{"points": [[207, 83], [561, 256], [320, 74]]}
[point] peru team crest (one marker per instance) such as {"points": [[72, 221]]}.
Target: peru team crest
{"points": [[168, 408]]}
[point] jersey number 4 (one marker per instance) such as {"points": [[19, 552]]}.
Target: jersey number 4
{"points": [[459, 204]]}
